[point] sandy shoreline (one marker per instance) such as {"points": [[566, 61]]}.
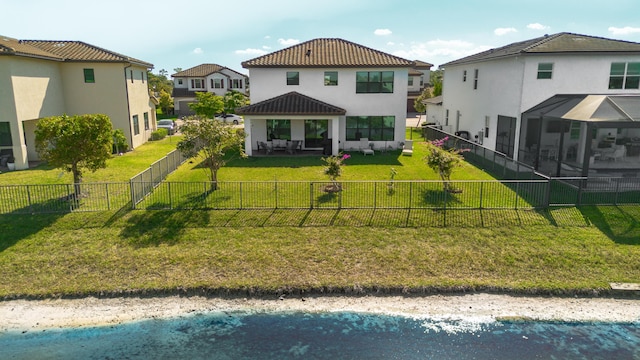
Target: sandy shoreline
{"points": [[26, 315]]}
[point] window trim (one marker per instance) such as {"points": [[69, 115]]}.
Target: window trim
{"points": [[136, 125], [542, 73], [624, 77], [293, 78], [328, 78], [373, 86], [373, 133], [89, 76]]}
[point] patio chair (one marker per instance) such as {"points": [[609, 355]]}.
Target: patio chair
{"points": [[267, 148], [407, 148], [292, 146], [364, 147], [618, 153]]}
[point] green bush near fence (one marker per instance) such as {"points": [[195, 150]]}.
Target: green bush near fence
{"points": [[159, 134]]}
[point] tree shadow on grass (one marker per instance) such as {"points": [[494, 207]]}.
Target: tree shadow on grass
{"points": [[620, 223], [152, 228], [437, 198]]}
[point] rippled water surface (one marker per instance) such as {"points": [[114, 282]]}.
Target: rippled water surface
{"points": [[340, 335]]}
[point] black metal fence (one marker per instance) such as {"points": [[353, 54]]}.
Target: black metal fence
{"points": [[143, 183]]}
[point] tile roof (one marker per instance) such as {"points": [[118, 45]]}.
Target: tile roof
{"points": [[203, 70], [11, 46], [327, 53], [551, 44], [422, 64], [292, 103], [71, 51]]}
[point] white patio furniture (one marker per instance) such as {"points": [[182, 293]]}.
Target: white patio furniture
{"points": [[364, 147]]}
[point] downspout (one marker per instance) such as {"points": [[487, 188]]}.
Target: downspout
{"points": [[126, 91]]}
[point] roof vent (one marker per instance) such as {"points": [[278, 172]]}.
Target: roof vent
{"points": [[308, 52]]}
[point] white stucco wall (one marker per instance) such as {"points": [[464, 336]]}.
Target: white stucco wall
{"points": [[267, 83], [510, 86]]}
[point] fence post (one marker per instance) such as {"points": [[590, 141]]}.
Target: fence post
{"points": [[132, 193], [615, 201], [547, 195], [29, 198], [310, 196], [106, 189], [582, 182], [481, 189], [276, 192], [240, 194], [375, 195], [444, 212], [170, 197], [410, 195]]}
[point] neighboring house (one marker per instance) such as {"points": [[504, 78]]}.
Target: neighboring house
{"points": [[327, 94], [42, 78], [433, 110], [205, 78], [419, 79], [562, 103]]}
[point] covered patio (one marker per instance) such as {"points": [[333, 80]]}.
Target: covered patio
{"points": [[583, 135], [292, 124]]}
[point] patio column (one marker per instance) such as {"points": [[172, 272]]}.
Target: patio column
{"points": [[248, 140], [335, 135]]}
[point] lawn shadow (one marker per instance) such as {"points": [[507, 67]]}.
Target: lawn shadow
{"points": [[152, 228], [12, 224], [437, 198], [620, 223]]}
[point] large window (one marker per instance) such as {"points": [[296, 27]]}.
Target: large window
{"points": [[475, 79], [197, 83], [625, 76], [5, 134], [279, 129], [136, 125], [217, 83], [89, 77], [371, 82], [236, 84], [293, 78], [330, 78], [545, 70], [374, 128]]}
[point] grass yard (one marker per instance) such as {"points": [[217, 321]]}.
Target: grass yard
{"points": [[119, 168], [562, 251]]}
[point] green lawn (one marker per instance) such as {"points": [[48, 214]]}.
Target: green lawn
{"points": [[562, 251]]}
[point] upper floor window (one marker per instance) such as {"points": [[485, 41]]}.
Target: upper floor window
{"points": [[330, 78], [179, 81], [625, 76], [197, 83], [368, 82], [89, 76], [545, 70], [464, 76], [236, 83], [410, 81], [217, 83], [131, 75], [475, 79], [293, 78]]}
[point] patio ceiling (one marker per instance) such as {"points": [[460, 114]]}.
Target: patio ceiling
{"points": [[588, 107]]}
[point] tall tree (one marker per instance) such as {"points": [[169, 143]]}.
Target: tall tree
{"points": [[75, 143], [165, 102], [207, 104], [233, 100], [159, 83], [213, 141]]}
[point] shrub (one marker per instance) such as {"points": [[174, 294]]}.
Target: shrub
{"points": [[159, 134], [119, 142]]}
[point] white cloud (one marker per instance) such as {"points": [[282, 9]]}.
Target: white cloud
{"points": [[266, 47], [440, 51], [382, 32], [267, 37], [288, 42], [391, 43], [623, 31], [504, 31], [198, 51], [252, 52], [537, 26]]}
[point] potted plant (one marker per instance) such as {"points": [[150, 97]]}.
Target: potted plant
{"points": [[11, 163]]}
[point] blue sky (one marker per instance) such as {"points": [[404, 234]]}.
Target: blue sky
{"points": [[186, 33]]}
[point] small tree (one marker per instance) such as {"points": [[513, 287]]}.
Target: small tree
{"points": [[165, 102], [233, 100], [75, 143], [213, 141], [207, 105], [443, 161], [333, 168]]}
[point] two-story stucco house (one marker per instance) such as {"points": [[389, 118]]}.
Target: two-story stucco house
{"points": [[419, 78], [564, 103], [48, 78], [327, 94], [205, 78]]}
